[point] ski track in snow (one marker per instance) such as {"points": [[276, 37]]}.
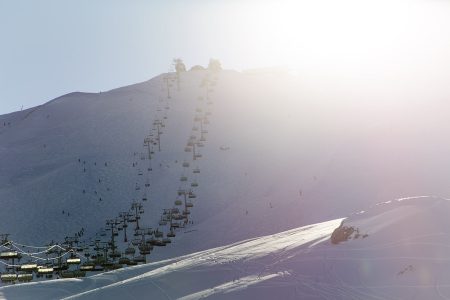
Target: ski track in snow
{"points": [[229, 287]]}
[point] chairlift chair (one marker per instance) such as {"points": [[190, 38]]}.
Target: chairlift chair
{"points": [[139, 259], [10, 277], [130, 251], [25, 277]]}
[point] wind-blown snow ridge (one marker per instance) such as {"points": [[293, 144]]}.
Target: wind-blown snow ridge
{"points": [[420, 197]]}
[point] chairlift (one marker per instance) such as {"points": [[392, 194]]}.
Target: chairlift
{"points": [[158, 243], [178, 217], [144, 251], [183, 178], [130, 251], [189, 204], [124, 261], [45, 270], [196, 171], [73, 261], [73, 274], [185, 164], [194, 184], [8, 277], [178, 202], [87, 267], [9, 255], [139, 259], [28, 267], [175, 225], [24, 277], [187, 149], [62, 267]]}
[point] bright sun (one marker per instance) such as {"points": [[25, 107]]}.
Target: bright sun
{"points": [[349, 36]]}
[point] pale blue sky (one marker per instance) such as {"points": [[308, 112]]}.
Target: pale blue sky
{"points": [[52, 47]]}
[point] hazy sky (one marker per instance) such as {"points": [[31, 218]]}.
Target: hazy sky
{"points": [[49, 48]]}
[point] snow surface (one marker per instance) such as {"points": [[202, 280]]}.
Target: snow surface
{"points": [[282, 152], [404, 256]]}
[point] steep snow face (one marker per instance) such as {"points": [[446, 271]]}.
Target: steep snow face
{"points": [[280, 153]]}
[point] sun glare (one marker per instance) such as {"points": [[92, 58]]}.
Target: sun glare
{"points": [[342, 36]]}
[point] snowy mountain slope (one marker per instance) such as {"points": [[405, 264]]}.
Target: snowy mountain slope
{"points": [[280, 153], [403, 256], [285, 137]]}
